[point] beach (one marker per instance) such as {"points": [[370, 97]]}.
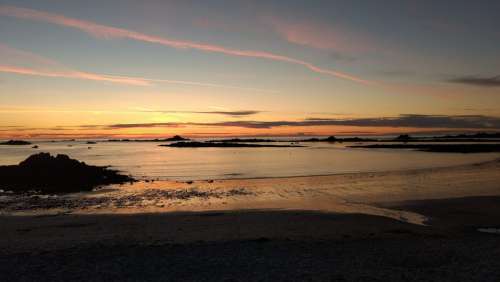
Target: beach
{"points": [[249, 140], [414, 225]]}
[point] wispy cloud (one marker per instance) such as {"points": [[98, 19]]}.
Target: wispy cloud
{"points": [[75, 74], [481, 81], [137, 125], [14, 109], [410, 120], [203, 84], [225, 113], [319, 36], [25, 63], [108, 32]]}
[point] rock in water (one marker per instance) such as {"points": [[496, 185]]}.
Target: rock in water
{"points": [[176, 138], [60, 174], [16, 142]]}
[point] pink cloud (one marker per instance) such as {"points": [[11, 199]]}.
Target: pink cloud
{"points": [[26, 63], [320, 36], [108, 32], [74, 74]]}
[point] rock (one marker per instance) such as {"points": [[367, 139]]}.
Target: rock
{"points": [[176, 138], [60, 174], [403, 137], [171, 139], [244, 140], [331, 139], [195, 144], [16, 142]]}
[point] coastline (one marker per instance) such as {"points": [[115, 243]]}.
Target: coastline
{"points": [[363, 193], [334, 228]]}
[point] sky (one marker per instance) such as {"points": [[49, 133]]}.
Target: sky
{"points": [[116, 69]]}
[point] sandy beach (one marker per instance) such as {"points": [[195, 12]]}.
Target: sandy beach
{"points": [[417, 225]]}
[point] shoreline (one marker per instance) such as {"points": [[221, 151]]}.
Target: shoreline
{"points": [[331, 241], [364, 193]]}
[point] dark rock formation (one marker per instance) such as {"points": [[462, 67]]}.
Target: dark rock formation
{"points": [[16, 142], [438, 148], [328, 139], [60, 174], [403, 137], [245, 140], [331, 139], [478, 135], [220, 145], [175, 138]]}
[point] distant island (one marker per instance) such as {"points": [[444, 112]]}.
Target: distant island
{"points": [[175, 138], [479, 135], [243, 140], [439, 148], [330, 139], [406, 138], [16, 142], [60, 174], [207, 144]]}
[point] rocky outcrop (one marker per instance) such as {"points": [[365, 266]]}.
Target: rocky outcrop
{"points": [[60, 174], [15, 142]]}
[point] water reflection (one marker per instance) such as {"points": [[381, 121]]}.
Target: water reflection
{"points": [[149, 161]]}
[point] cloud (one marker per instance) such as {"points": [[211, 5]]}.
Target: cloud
{"points": [[135, 125], [232, 113], [409, 120], [11, 109], [319, 36], [25, 63], [74, 74], [493, 81], [226, 113], [108, 32]]}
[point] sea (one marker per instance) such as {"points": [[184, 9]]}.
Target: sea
{"points": [[149, 161]]}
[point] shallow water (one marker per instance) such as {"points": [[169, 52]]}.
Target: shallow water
{"points": [[147, 160], [341, 191]]}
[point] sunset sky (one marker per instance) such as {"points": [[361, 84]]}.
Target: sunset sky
{"points": [[89, 69]]}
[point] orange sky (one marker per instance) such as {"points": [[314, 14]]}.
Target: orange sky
{"points": [[154, 69]]}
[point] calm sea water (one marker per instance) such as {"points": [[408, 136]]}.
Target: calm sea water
{"points": [[147, 160]]}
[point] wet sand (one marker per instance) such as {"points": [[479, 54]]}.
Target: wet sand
{"points": [[285, 244], [256, 245]]}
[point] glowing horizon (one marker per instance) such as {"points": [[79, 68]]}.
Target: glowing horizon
{"points": [[156, 69]]}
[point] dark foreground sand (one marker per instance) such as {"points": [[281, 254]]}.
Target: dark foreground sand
{"points": [[257, 245]]}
